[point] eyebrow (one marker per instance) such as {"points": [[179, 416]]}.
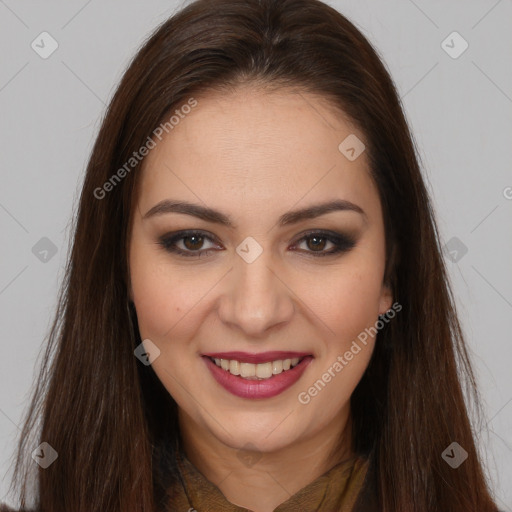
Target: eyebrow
{"points": [[217, 217]]}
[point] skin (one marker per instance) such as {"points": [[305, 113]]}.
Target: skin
{"points": [[254, 155]]}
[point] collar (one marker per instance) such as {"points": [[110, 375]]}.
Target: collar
{"points": [[337, 489]]}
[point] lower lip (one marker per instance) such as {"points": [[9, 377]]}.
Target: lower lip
{"points": [[266, 388]]}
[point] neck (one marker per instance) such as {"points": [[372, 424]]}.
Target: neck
{"points": [[262, 481]]}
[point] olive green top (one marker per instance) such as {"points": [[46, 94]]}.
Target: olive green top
{"points": [[346, 487], [336, 490]]}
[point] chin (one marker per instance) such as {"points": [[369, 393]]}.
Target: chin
{"points": [[264, 436]]}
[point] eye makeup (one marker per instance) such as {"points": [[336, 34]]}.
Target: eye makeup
{"points": [[318, 238]]}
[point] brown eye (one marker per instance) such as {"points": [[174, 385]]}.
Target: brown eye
{"points": [[316, 242], [192, 243]]}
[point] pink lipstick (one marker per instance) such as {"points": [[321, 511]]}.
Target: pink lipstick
{"points": [[253, 387]]}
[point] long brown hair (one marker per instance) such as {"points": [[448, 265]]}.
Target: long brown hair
{"points": [[108, 416]]}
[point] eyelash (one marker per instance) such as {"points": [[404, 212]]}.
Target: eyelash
{"points": [[342, 243]]}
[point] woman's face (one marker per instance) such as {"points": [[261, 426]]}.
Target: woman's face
{"points": [[257, 282]]}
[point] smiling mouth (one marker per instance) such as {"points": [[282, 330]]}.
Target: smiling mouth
{"points": [[257, 371]]}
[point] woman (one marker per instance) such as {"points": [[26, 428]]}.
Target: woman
{"points": [[256, 313]]}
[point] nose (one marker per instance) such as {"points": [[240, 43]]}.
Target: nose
{"points": [[256, 298]]}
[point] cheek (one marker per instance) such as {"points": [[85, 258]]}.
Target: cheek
{"points": [[350, 309], [356, 304], [160, 299], [348, 302]]}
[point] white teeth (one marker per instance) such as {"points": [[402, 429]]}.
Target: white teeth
{"points": [[234, 367], [277, 367], [264, 371], [247, 370], [260, 371]]}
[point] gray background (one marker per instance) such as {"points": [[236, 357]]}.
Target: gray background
{"points": [[459, 108]]}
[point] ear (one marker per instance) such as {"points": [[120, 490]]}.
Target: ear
{"points": [[386, 296], [386, 299]]}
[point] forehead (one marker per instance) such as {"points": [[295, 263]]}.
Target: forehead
{"points": [[256, 151]]}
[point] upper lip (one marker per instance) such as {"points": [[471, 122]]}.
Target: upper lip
{"points": [[262, 357]]}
